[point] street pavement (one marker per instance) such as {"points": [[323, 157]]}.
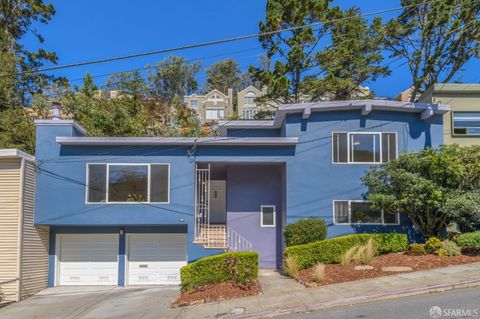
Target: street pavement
{"points": [[462, 303]]}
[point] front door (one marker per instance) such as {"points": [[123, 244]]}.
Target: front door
{"points": [[218, 201]]}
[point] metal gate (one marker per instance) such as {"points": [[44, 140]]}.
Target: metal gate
{"points": [[202, 203]]}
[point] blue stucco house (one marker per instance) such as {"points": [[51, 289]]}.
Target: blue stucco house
{"points": [[130, 211]]}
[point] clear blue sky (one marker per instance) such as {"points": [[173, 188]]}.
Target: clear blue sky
{"points": [[95, 29]]}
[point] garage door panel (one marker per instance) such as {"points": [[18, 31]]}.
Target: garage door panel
{"points": [[156, 259], [88, 259]]}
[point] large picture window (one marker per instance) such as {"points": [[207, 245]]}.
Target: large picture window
{"points": [[128, 183], [466, 123], [364, 147], [360, 212]]}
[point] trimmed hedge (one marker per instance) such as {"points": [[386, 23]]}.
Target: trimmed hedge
{"points": [[237, 267], [304, 231], [330, 251], [470, 242]]}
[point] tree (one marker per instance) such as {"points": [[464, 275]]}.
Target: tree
{"points": [[17, 130], [131, 84], [173, 76], [184, 122], [89, 88], [353, 57], [17, 82], [246, 79], [426, 185], [17, 18], [223, 75], [435, 38], [296, 48]]}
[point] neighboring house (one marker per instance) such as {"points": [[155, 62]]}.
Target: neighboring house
{"points": [[128, 211], [406, 95], [23, 246], [247, 105], [211, 107], [462, 123]]}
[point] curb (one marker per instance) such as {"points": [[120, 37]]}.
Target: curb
{"points": [[357, 300]]}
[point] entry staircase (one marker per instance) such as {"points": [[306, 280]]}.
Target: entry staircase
{"points": [[213, 236], [221, 237]]}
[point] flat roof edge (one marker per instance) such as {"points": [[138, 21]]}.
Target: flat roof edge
{"points": [[15, 153], [214, 141]]}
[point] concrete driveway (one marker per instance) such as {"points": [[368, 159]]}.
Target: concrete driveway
{"points": [[95, 303]]}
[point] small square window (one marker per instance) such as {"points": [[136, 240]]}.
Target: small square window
{"points": [[268, 216]]}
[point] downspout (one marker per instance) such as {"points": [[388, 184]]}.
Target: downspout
{"points": [[20, 230]]}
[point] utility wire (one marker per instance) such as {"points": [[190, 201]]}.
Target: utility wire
{"points": [[209, 43]]}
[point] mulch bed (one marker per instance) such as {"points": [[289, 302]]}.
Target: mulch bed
{"points": [[336, 273], [217, 292]]}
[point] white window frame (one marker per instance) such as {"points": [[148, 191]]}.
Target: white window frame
{"points": [[191, 103], [349, 148], [453, 125], [107, 183], [219, 114], [274, 213], [350, 201]]}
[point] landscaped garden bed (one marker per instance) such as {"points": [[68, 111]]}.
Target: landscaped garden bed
{"points": [[336, 273], [361, 256], [217, 292], [219, 277]]}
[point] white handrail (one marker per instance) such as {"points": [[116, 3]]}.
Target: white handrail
{"points": [[236, 242]]}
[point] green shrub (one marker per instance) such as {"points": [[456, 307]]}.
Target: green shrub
{"points": [[236, 267], [432, 245], [330, 251], [470, 242], [416, 249], [442, 252], [305, 231], [449, 248]]}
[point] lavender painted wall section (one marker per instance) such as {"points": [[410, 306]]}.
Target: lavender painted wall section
{"points": [[249, 187]]}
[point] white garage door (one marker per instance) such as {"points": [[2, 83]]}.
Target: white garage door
{"points": [[156, 259], [88, 259]]}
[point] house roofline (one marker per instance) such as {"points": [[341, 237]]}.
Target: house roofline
{"points": [[62, 122], [15, 153], [463, 88], [426, 110], [186, 141]]}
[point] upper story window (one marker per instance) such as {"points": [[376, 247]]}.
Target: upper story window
{"points": [[364, 147], [215, 99], [466, 123], [359, 212], [250, 98], [193, 104], [249, 114], [128, 183], [215, 114]]}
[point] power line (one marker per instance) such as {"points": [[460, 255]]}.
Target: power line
{"points": [[191, 61], [209, 43]]}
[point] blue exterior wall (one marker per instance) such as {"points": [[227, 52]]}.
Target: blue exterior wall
{"points": [[311, 180], [253, 132]]}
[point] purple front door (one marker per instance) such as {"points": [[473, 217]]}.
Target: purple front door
{"points": [[249, 189]]}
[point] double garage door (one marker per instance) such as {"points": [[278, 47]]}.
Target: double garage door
{"points": [[151, 259]]}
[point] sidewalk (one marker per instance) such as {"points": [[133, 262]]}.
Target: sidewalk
{"points": [[282, 295]]}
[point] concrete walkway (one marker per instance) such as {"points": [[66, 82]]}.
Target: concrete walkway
{"points": [[281, 295]]}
